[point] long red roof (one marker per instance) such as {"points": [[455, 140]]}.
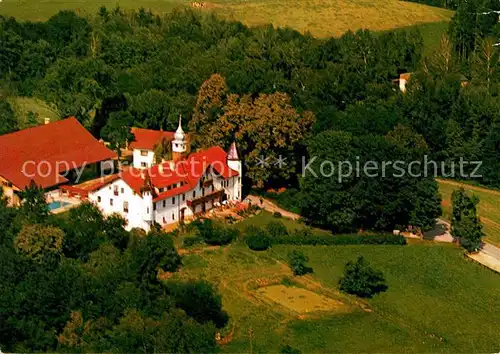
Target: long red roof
{"points": [[147, 139], [42, 153], [188, 171]]}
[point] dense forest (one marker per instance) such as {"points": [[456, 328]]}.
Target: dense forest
{"points": [[276, 92], [279, 94], [81, 283]]}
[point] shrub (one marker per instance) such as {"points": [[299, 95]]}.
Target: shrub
{"points": [[298, 262], [361, 279], [192, 241], [276, 229], [200, 300], [306, 236], [277, 214], [287, 349], [257, 238], [214, 233], [258, 242]]}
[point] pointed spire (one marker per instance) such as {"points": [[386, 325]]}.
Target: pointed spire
{"points": [[179, 133], [232, 154]]}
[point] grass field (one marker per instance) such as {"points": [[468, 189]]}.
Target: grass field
{"points": [[321, 18], [23, 105], [489, 207], [437, 301]]}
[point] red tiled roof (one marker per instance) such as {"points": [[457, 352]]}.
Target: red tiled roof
{"points": [[188, 171], [46, 151], [147, 139]]}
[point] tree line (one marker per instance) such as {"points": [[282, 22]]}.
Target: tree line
{"points": [[281, 95], [81, 283]]}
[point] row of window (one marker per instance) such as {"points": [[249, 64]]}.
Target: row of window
{"points": [[172, 186], [125, 204]]}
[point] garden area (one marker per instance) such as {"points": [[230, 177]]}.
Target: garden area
{"points": [[430, 303]]}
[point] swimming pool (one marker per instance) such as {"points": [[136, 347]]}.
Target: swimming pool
{"points": [[57, 205]]}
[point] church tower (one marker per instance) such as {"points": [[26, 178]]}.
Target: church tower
{"points": [[179, 143], [234, 163]]}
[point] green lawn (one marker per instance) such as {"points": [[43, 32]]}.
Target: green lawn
{"points": [[23, 105], [437, 301], [489, 207]]}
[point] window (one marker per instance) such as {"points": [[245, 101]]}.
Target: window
{"points": [[164, 203], [173, 216], [147, 210], [144, 152], [98, 199], [122, 190], [111, 201], [143, 164], [125, 207], [173, 200], [183, 197], [154, 206], [212, 187], [115, 190], [194, 194]]}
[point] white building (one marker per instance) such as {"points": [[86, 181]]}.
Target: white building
{"points": [[144, 144], [174, 190]]}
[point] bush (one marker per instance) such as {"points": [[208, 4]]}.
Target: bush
{"points": [[214, 233], [277, 214], [200, 300], [305, 236], [361, 279], [276, 229], [258, 242], [257, 239], [298, 262], [287, 349], [192, 241]]}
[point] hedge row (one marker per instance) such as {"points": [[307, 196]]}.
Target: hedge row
{"points": [[307, 238]]}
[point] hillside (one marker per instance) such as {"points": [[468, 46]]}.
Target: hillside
{"points": [[320, 17]]}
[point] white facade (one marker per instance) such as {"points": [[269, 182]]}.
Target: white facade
{"points": [[140, 210], [143, 158], [118, 198], [161, 203]]}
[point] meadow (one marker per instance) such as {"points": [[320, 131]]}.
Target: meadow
{"points": [[322, 18], [437, 301], [489, 206]]}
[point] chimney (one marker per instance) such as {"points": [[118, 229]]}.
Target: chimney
{"points": [[47, 120]]}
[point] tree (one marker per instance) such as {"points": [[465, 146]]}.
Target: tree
{"points": [[40, 243], [257, 239], [34, 208], [8, 121], [348, 179], [264, 127], [155, 251], [200, 300], [465, 223], [163, 151], [276, 229], [297, 260], [117, 131], [361, 279]]}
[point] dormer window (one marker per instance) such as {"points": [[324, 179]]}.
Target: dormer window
{"points": [[144, 152]]}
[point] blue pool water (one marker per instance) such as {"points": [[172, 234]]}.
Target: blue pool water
{"points": [[57, 205]]}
